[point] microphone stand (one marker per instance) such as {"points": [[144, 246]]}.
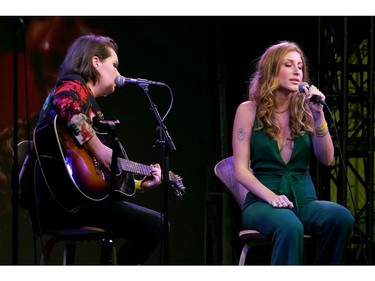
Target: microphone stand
{"points": [[166, 144], [107, 246], [18, 31], [15, 168]]}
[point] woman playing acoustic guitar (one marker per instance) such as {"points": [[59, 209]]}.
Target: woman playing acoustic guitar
{"points": [[88, 72]]}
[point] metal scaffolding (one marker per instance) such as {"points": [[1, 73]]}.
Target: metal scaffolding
{"points": [[346, 76]]}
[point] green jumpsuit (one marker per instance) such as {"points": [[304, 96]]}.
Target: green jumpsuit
{"points": [[330, 223]]}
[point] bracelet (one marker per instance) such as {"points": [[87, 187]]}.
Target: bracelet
{"points": [[321, 128], [321, 135]]}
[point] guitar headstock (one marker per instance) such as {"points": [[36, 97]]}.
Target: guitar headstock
{"points": [[177, 184]]}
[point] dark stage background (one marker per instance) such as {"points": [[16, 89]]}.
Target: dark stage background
{"points": [[206, 61]]}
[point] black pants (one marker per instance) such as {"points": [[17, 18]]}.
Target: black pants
{"points": [[141, 227]]}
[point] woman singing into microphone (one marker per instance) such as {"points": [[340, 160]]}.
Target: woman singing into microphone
{"points": [[275, 130]]}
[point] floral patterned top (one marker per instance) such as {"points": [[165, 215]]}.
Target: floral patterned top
{"points": [[74, 102]]}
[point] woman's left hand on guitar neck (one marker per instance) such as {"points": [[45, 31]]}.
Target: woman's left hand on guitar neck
{"points": [[149, 182]]}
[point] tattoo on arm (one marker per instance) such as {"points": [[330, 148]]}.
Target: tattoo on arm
{"points": [[240, 134]]}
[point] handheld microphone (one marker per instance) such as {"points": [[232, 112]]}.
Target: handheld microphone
{"points": [[121, 81], [315, 99]]}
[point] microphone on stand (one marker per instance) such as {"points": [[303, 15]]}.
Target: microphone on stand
{"points": [[315, 99], [121, 81]]}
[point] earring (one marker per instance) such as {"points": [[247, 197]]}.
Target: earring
{"points": [[275, 82]]}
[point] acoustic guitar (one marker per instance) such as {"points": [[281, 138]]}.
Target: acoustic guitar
{"points": [[75, 177]]}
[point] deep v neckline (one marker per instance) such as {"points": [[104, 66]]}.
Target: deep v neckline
{"points": [[279, 151]]}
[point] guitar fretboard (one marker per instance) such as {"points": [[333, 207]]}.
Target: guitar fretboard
{"points": [[134, 167]]}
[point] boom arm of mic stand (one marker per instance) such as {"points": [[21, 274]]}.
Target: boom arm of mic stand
{"points": [[166, 137]]}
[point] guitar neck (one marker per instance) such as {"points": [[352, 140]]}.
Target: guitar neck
{"points": [[134, 167]]}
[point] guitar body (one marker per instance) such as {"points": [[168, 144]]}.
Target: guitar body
{"points": [[72, 174]]}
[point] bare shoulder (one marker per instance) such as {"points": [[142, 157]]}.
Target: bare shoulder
{"points": [[245, 116], [247, 108]]}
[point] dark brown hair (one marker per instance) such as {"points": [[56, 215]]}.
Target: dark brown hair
{"points": [[79, 55]]}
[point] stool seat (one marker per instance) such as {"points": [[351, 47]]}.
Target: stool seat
{"points": [[71, 237]]}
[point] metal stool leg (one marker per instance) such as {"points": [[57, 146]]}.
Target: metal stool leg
{"points": [[245, 249]]}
